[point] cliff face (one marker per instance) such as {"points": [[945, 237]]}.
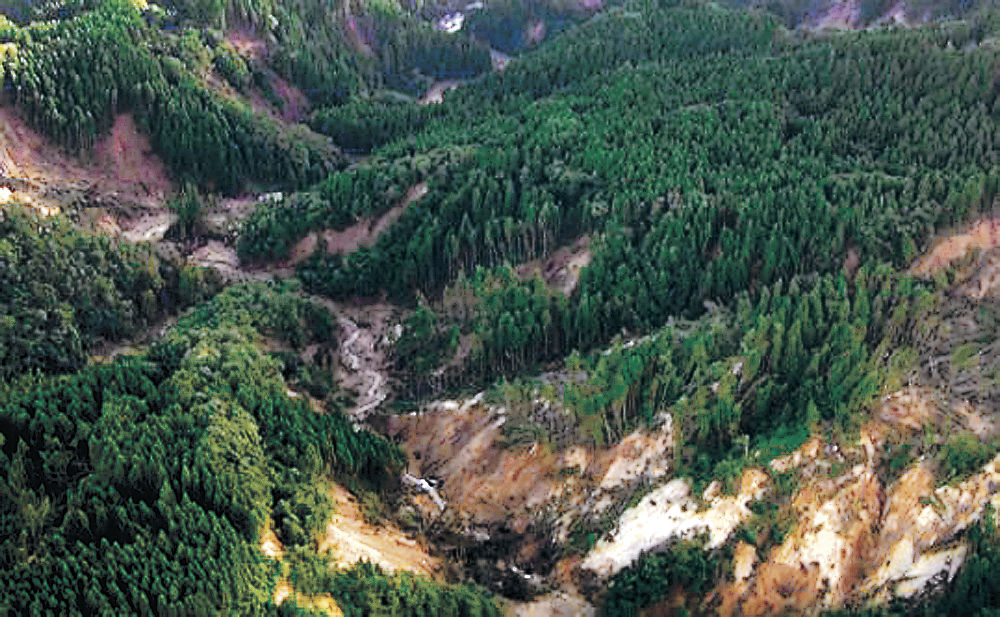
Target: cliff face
{"points": [[861, 523], [856, 537]]}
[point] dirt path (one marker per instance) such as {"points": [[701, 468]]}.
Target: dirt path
{"points": [[364, 233], [351, 539]]}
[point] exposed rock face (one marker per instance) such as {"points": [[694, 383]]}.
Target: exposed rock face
{"points": [[513, 506], [856, 539], [669, 512]]}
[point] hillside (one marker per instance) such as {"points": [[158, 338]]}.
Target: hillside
{"points": [[524, 308]]}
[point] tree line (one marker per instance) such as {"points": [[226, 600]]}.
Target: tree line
{"points": [[142, 486]]}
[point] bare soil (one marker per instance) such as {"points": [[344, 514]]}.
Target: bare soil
{"points": [[350, 539], [247, 44], [364, 233], [561, 271], [983, 234], [122, 169], [435, 94], [363, 344], [842, 15], [484, 483]]}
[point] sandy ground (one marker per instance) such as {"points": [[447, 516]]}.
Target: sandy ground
{"points": [[554, 604], [350, 539], [670, 512], [122, 168], [364, 233]]}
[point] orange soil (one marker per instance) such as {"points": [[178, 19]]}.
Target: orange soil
{"points": [[121, 169], [486, 483], [351, 539], [984, 234], [854, 536], [778, 588]]}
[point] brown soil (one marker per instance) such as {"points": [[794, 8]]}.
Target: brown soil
{"points": [[481, 480], [910, 408], [778, 589], [913, 408], [129, 156], [984, 279], [364, 233], [485, 483], [562, 270], [351, 539], [984, 234], [856, 539], [247, 44], [122, 169], [295, 104], [822, 560]]}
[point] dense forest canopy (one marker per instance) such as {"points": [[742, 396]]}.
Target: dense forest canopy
{"points": [[741, 195]]}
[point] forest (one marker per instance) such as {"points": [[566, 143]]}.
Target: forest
{"points": [[746, 195], [142, 485]]}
